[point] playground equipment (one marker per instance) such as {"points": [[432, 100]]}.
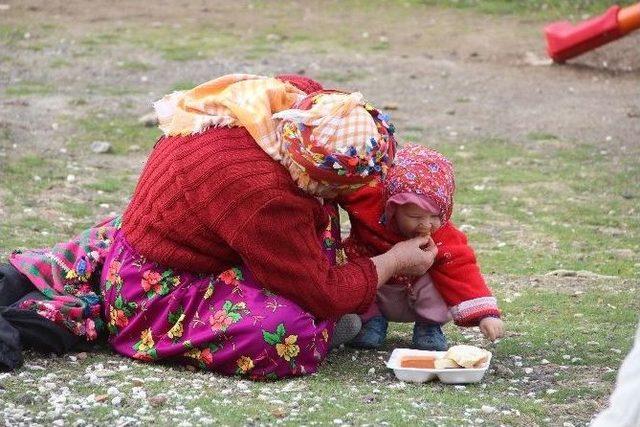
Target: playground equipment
{"points": [[566, 41]]}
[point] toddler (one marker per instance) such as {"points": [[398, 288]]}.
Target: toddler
{"points": [[416, 198]]}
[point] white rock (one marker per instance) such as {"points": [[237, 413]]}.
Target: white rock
{"points": [[116, 401], [138, 393], [372, 371], [544, 362], [528, 371], [100, 147], [488, 409], [71, 178], [551, 391]]}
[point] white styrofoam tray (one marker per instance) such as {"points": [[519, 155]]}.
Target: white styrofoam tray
{"points": [[419, 375]]}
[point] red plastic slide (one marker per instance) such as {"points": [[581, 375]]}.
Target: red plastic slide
{"points": [[566, 41]]}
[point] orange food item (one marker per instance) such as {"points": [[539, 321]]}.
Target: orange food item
{"points": [[423, 362]]}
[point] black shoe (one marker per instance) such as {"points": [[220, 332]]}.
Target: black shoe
{"points": [[429, 336], [372, 334]]}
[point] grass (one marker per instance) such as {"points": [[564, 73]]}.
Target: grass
{"points": [[531, 189], [28, 88], [529, 206], [121, 132], [135, 66]]}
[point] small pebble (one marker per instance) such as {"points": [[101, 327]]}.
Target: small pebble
{"points": [[100, 147]]}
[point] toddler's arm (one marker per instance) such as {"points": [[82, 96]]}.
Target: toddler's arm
{"points": [[457, 277]]}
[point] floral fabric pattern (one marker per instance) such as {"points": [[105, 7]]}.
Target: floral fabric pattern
{"points": [[226, 323]]}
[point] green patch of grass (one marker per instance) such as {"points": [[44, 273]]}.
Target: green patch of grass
{"points": [[197, 43], [59, 63], [111, 184], [259, 48], [78, 210], [121, 132], [96, 41], [78, 102], [37, 46], [10, 35], [28, 88], [341, 77], [183, 85], [135, 66], [113, 90], [31, 173], [381, 46], [541, 136]]}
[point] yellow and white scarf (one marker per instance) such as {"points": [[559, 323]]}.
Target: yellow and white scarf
{"points": [[232, 100]]}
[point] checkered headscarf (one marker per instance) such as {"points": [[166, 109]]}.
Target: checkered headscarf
{"points": [[334, 141]]}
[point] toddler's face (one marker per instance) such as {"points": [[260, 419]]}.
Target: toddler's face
{"points": [[413, 221]]}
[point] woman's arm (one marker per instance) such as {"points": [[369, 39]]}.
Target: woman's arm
{"points": [[280, 245]]}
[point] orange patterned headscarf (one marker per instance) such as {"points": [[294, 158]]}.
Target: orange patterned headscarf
{"points": [[232, 100]]}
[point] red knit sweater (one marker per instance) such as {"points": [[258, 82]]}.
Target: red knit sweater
{"points": [[455, 272], [207, 202]]}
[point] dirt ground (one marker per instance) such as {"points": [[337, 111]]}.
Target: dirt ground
{"points": [[455, 73]]}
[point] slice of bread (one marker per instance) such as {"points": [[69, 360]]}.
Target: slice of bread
{"points": [[468, 356], [445, 363]]}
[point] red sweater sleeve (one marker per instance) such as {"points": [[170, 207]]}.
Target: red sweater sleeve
{"points": [[457, 277], [280, 244]]}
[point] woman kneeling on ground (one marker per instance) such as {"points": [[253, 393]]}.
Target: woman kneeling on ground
{"points": [[228, 256]]}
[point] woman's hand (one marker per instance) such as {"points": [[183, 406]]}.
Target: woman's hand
{"points": [[492, 328], [406, 258], [414, 256]]}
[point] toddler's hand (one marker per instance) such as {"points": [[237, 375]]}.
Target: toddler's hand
{"points": [[492, 328]]}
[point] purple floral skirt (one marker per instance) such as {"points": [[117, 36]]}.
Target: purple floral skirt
{"points": [[227, 323]]}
